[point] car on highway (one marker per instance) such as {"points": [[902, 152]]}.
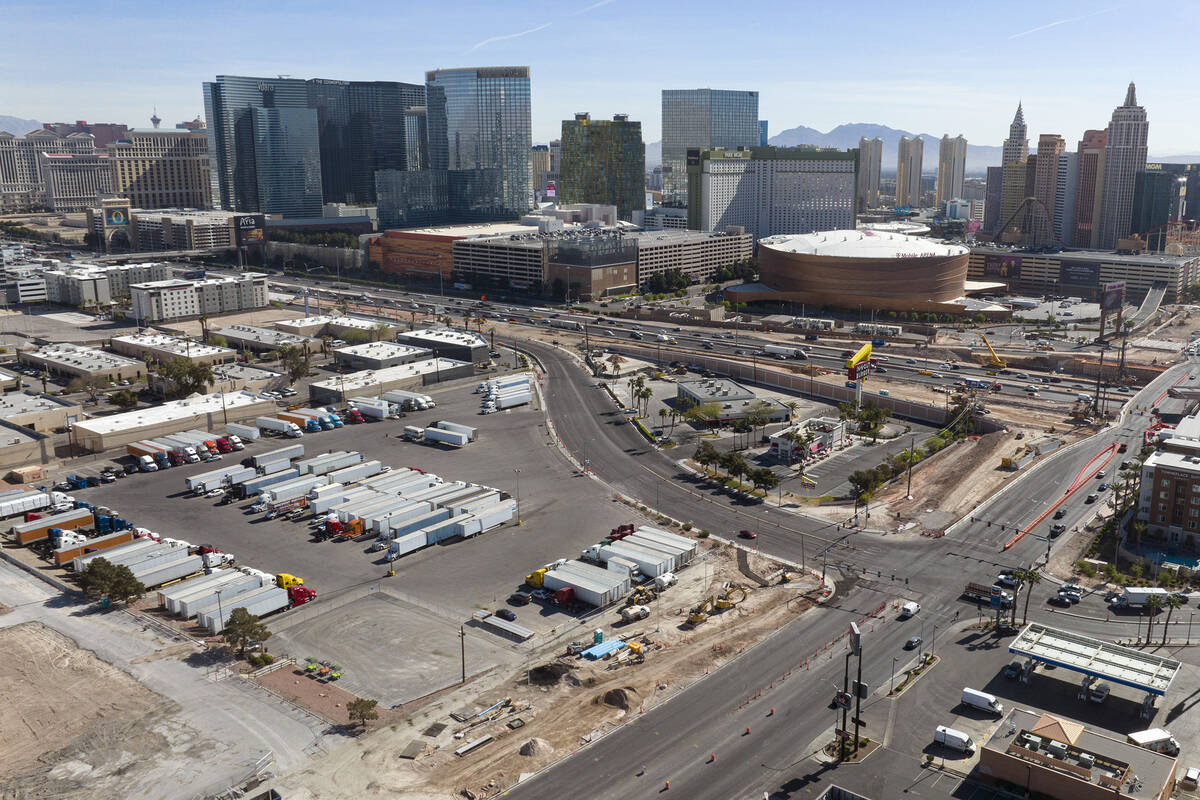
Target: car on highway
{"points": [[938, 375], [1101, 474], [1125, 389], [1091, 498], [747, 534], [913, 643], [1057, 530], [1022, 376], [1104, 487], [1183, 596], [1069, 596], [1062, 512], [504, 613], [909, 361]]}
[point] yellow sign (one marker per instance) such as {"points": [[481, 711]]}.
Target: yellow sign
{"points": [[859, 357]]}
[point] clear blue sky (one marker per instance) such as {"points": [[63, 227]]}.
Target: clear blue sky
{"points": [[938, 67]]}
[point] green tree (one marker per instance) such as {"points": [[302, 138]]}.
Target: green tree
{"points": [[361, 709], [662, 417], [356, 336], [125, 399], [380, 331], [1027, 579], [43, 376], [1153, 604], [101, 577], [90, 384], [644, 394], [217, 340], [204, 327], [765, 478], [706, 455], [243, 627], [186, 376], [294, 361], [735, 465], [1172, 602]]}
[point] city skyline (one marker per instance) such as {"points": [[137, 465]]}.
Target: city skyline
{"points": [[1020, 45]]}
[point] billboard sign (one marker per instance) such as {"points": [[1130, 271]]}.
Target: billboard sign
{"points": [[115, 216], [1003, 267], [551, 189], [1114, 296], [250, 229], [649, 201], [1079, 273]]}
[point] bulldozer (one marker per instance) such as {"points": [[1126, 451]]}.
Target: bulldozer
{"points": [[726, 598], [699, 612], [640, 597]]}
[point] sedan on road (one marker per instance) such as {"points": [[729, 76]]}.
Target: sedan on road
{"points": [[747, 535], [1058, 600], [913, 643]]}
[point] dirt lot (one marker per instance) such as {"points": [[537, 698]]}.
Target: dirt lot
{"points": [[553, 688], [62, 711]]}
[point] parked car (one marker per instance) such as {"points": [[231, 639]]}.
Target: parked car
{"points": [[1012, 670], [504, 613]]}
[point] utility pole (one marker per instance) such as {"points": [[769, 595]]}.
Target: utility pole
{"points": [[858, 693], [462, 639], [912, 444], [845, 710]]}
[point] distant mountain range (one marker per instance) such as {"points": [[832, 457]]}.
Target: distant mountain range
{"points": [[979, 156], [17, 126]]}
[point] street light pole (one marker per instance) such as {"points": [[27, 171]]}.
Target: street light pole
{"points": [[517, 472], [892, 683]]}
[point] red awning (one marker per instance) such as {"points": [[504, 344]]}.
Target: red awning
{"points": [[812, 448]]}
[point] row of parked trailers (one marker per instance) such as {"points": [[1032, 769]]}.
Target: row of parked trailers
{"points": [[211, 599], [652, 550]]}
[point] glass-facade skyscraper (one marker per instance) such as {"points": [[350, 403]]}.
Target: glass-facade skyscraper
{"points": [[603, 161], [702, 119], [479, 132], [263, 145]]}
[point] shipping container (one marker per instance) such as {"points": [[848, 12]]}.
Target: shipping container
{"points": [[260, 604], [356, 472], [282, 453], [68, 553], [192, 565], [229, 593], [446, 425]]}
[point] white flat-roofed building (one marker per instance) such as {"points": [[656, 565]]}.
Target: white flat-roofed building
{"points": [[732, 401], [84, 286], [37, 412], [178, 299], [77, 361], [251, 337], [205, 412], [379, 355], [373, 383], [162, 347], [330, 325], [460, 345], [863, 244]]}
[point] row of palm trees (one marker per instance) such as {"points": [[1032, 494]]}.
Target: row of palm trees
{"points": [[735, 465]]}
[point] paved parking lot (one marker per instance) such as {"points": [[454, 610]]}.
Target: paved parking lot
{"points": [[562, 512]]}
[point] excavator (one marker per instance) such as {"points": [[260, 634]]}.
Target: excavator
{"points": [[994, 360], [699, 613], [726, 599]]}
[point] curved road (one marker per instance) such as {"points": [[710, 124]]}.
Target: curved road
{"points": [[673, 739]]}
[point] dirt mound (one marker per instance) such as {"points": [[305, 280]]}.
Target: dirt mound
{"points": [[537, 747], [623, 698], [547, 674]]}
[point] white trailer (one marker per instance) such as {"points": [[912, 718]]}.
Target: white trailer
{"points": [[409, 401], [407, 484], [247, 433], [410, 510], [371, 407], [402, 545], [519, 379], [650, 546], [229, 593], [332, 502], [27, 501], [446, 425], [356, 472], [483, 519], [280, 426], [427, 493], [328, 490], [174, 571], [260, 603], [418, 522], [149, 565], [195, 587], [452, 438], [785, 350], [196, 483], [690, 546], [392, 476], [254, 486], [114, 554], [471, 505], [290, 490], [145, 558], [335, 462], [513, 400], [650, 563], [596, 590], [282, 453], [272, 467]]}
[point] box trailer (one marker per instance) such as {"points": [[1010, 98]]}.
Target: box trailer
{"points": [[280, 426], [331, 503], [152, 561], [690, 546], [195, 586], [39, 529], [409, 510], [282, 453], [255, 486], [336, 462], [67, 554], [272, 467], [196, 483], [115, 553], [370, 407], [446, 425], [466, 494], [188, 607], [290, 490], [441, 530], [260, 604], [26, 501], [247, 433], [328, 490], [443, 492], [427, 492], [413, 433], [377, 521], [305, 465], [439, 436], [516, 379], [396, 474], [191, 565], [144, 448], [513, 400], [409, 401], [488, 517], [356, 472], [417, 523], [654, 548], [409, 542], [650, 563], [588, 590], [407, 484]]}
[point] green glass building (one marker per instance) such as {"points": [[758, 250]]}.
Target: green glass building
{"points": [[603, 161]]}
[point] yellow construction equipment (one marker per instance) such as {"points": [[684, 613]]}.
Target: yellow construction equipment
{"points": [[995, 359], [726, 599], [699, 613], [640, 597]]}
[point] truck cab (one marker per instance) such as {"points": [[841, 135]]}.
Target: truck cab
{"points": [[224, 446], [236, 442], [162, 461], [146, 464]]}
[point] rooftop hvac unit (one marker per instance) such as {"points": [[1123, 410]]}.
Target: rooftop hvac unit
{"points": [[1056, 749], [1086, 760]]}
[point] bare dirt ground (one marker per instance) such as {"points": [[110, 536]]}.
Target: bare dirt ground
{"points": [[261, 316], [67, 716], [954, 481], [562, 700]]}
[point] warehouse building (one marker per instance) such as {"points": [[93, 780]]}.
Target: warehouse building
{"points": [[379, 355], [206, 412], [22, 449], [231, 377], [1083, 273], [76, 361], [373, 383], [458, 345], [37, 412], [161, 347], [261, 340], [734, 401], [332, 326]]}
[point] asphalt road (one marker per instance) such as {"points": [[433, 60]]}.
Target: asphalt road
{"points": [[675, 739]]}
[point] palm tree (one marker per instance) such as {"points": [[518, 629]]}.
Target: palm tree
{"points": [[204, 327], [616, 361], [1172, 602], [644, 394], [44, 376], [662, 417], [1153, 604], [674, 417], [791, 406], [1028, 578]]}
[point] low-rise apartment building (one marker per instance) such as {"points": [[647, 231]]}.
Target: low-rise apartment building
{"points": [[161, 347], [179, 299]]}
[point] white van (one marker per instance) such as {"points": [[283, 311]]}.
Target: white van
{"points": [[1083, 398], [982, 701], [955, 740], [1159, 740], [909, 609]]}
